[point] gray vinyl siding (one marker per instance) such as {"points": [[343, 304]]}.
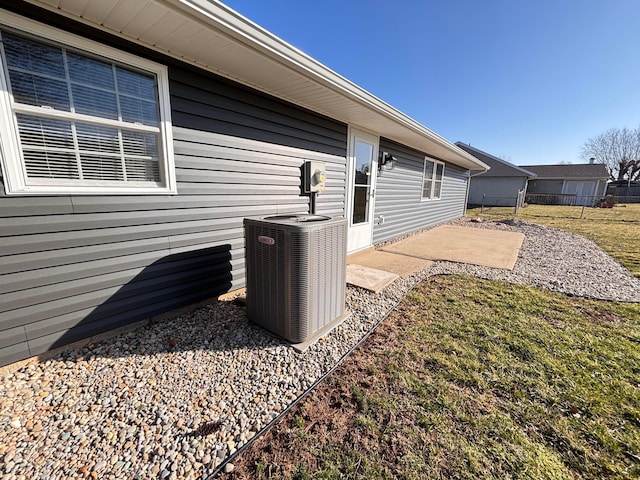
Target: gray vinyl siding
{"points": [[398, 195], [545, 186], [209, 104], [75, 266], [497, 191]]}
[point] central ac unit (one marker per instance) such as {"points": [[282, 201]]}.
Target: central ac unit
{"points": [[296, 273]]}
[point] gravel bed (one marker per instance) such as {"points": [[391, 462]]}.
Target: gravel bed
{"points": [[177, 398]]}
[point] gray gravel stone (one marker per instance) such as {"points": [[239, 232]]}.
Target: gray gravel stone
{"points": [[133, 407]]}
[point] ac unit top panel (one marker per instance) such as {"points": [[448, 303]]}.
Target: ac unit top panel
{"points": [[297, 222]]}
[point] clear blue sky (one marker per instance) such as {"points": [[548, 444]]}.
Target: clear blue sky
{"points": [[526, 80]]}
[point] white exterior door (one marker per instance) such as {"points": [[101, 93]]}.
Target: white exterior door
{"points": [[362, 169]]}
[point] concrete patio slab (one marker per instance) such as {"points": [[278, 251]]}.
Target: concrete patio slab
{"points": [[476, 246], [401, 265], [369, 278]]}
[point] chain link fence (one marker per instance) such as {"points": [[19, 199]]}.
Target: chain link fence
{"points": [[570, 200], [568, 205]]}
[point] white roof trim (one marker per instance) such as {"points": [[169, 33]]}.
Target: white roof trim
{"points": [[235, 44]]}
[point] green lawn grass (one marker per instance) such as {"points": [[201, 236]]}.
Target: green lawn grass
{"points": [[473, 379], [616, 230]]}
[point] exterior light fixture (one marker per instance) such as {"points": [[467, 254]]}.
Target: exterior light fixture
{"points": [[386, 162]]}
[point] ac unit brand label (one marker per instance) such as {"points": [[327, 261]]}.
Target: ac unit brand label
{"points": [[266, 240]]}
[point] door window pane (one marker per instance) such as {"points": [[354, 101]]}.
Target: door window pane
{"points": [[364, 156], [360, 204]]}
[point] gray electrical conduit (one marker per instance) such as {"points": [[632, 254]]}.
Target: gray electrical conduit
{"points": [[264, 429]]}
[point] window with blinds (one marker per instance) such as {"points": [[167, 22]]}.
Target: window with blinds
{"points": [[83, 122], [432, 179]]}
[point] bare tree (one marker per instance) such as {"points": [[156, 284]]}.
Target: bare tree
{"points": [[619, 150]]}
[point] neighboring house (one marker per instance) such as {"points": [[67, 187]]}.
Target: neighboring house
{"points": [[571, 184], [499, 186], [137, 135]]}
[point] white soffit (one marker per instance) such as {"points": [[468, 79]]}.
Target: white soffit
{"points": [[214, 37]]}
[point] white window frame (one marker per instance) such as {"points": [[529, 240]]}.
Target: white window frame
{"points": [[11, 158], [433, 180]]}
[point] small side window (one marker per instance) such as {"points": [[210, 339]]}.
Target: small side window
{"points": [[432, 177]]}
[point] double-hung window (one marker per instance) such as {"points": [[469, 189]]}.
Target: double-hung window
{"points": [[79, 117], [432, 179]]}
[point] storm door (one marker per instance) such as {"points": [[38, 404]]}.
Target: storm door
{"points": [[363, 167]]}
